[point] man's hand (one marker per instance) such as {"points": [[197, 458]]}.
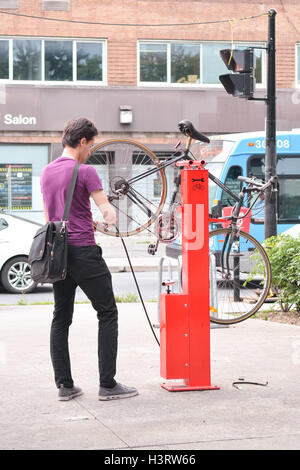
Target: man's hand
{"points": [[100, 225], [107, 210], [109, 213]]}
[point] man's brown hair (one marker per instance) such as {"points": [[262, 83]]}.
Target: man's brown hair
{"points": [[77, 129]]}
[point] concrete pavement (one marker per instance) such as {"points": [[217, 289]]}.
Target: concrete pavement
{"points": [[137, 246], [119, 265], [252, 417]]}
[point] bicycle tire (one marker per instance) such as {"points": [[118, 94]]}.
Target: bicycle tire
{"points": [[115, 161], [224, 309]]}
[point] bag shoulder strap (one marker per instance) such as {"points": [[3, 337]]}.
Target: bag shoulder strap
{"points": [[70, 192]]}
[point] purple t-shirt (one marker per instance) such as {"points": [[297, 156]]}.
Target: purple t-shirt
{"points": [[55, 181]]}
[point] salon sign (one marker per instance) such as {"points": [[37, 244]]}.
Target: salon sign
{"points": [[11, 120]]}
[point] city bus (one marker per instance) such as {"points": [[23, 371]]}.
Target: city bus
{"points": [[232, 155]]}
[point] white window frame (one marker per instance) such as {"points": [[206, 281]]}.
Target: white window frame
{"points": [[74, 80], [168, 83]]}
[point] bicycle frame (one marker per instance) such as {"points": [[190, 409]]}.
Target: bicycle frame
{"points": [[185, 155]]}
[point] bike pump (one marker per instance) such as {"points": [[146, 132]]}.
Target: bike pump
{"points": [[184, 317]]}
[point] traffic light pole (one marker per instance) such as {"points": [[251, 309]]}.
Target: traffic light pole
{"points": [[270, 159], [241, 83]]}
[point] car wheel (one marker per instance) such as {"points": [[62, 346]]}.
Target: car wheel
{"points": [[16, 277]]}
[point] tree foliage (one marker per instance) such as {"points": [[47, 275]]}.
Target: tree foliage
{"points": [[284, 254]]}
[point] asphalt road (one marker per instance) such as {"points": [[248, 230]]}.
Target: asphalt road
{"points": [[123, 284]]}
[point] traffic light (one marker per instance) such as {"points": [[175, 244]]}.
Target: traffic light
{"points": [[241, 82]]}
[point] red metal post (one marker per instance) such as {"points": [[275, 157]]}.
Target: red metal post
{"points": [[184, 317]]}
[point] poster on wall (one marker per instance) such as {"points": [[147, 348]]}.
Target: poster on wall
{"points": [[15, 186]]}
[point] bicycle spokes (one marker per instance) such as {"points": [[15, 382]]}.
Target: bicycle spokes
{"points": [[240, 276], [138, 199]]}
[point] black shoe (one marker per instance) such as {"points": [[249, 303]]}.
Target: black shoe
{"points": [[66, 394], [118, 391]]}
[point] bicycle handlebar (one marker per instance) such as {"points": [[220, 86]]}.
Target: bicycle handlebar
{"points": [[250, 181], [256, 184]]}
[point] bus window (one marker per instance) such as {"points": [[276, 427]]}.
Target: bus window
{"points": [[215, 154], [233, 184], [256, 167], [289, 199], [288, 171]]}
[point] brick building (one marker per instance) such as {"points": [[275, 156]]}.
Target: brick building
{"points": [[109, 60]]}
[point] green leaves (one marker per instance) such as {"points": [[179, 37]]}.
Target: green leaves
{"points": [[284, 254]]}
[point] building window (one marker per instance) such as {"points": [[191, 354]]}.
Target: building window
{"points": [[185, 63], [58, 61], [20, 170], [89, 61], [189, 63], [4, 62], [214, 66], [52, 61], [16, 186], [9, 4], [27, 59], [153, 62], [51, 5]]}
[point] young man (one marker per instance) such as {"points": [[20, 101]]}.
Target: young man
{"points": [[86, 267]]}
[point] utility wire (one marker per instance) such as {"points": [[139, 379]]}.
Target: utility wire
{"points": [[131, 24]]}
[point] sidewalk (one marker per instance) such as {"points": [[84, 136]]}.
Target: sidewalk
{"points": [[137, 246], [252, 417], [150, 263]]}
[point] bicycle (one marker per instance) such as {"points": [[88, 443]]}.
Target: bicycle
{"points": [[240, 272]]}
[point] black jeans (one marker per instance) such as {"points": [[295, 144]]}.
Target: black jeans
{"points": [[87, 269]]}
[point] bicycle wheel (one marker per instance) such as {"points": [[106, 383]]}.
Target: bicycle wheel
{"points": [[240, 276], [138, 201]]}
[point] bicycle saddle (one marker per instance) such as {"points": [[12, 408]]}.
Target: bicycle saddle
{"points": [[187, 128]]}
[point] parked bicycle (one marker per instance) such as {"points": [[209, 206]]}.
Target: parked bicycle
{"points": [[240, 272]]}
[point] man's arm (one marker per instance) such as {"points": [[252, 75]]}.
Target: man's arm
{"points": [[45, 212], [107, 210]]}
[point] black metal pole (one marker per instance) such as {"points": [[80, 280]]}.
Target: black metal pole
{"points": [[270, 159]]}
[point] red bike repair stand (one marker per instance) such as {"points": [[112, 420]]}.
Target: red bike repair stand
{"points": [[184, 317]]}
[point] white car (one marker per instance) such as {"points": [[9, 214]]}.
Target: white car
{"points": [[16, 235]]}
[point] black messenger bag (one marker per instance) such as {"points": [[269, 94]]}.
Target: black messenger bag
{"points": [[49, 249]]}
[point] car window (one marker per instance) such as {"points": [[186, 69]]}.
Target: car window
{"points": [[3, 224]]}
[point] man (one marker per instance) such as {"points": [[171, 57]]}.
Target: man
{"points": [[86, 267]]}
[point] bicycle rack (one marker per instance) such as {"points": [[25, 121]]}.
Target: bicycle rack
{"points": [[184, 316], [213, 296]]}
